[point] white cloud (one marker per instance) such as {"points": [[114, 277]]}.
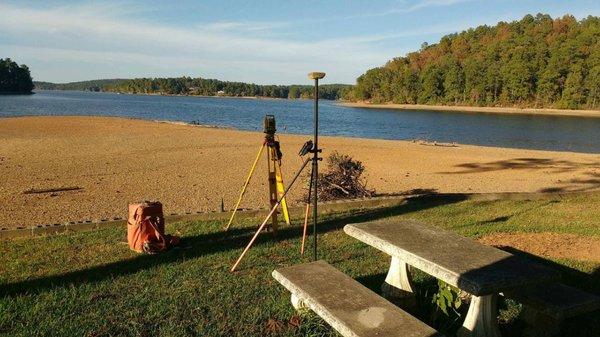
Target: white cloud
{"points": [[106, 35], [429, 3], [403, 7], [249, 26]]}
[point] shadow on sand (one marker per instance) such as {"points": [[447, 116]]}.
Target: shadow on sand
{"points": [[552, 165], [588, 183]]}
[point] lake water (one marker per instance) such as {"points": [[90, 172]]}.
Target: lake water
{"points": [[295, 116]]}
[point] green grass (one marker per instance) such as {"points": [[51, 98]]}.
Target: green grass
{"points": [[91, 284]]}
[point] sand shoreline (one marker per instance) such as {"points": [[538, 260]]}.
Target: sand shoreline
{"points": [[472, 109], [108, 162]]}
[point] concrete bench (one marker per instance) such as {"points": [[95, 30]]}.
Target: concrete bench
{"points": [[545, 308], [480, 270], [349, 307]]}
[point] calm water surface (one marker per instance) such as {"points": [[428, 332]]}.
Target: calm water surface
{"points": [[295, 116]]}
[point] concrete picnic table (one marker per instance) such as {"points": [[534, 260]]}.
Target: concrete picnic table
{"points": [[477, 269]]}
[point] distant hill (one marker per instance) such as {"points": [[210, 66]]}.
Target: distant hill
{"points": [[14, 79], [537, 62], [199, 86], [93, 85]]}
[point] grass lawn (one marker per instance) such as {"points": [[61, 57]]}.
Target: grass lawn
{"points": [[91, 284]]}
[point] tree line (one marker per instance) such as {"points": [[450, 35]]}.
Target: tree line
{"points": [[93, 85], [14, 79], [537, 62], [200, 86]]}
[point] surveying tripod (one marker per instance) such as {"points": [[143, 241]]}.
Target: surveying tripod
{"points": [[309, 147], [276, 187]]}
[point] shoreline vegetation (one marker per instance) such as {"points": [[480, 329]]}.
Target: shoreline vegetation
{"points": [[477, 109], [187, 86], [183, 95]]}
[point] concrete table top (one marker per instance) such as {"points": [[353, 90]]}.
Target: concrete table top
{"points": [[461, 262]]}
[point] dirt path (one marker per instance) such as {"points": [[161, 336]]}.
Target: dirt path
{"points": [[552, 245], [57, 169]]}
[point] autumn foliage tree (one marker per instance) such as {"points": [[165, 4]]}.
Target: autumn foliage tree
{"points": [[537, 61]]}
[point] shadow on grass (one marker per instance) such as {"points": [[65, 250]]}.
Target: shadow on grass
{"points": [[569, 276], [206, 244], [585, 325], [504, 218], [582, 325]]}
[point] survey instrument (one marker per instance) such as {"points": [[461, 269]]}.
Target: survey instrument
{"points": [[276, 187], [274, 207], [316, 76]]}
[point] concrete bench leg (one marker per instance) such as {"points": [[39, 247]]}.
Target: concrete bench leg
{"points": [[481, 320], [297, 303], [398, 284]]}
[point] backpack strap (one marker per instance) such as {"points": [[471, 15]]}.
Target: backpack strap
{"points": [[161, 238]]}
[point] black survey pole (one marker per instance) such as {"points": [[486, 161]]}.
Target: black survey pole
{"points": [[315, 161]]}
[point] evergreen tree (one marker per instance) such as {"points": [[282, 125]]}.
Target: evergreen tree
{"points": [[454, 82], [14, 79], [574, 93]]}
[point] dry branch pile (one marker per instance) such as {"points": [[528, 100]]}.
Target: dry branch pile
{"points": [[342, 179]]}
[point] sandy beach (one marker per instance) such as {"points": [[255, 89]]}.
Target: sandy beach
{"points": [[478, 109], [104, 163]]}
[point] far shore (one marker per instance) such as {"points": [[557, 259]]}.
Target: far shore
{"points": [[193, 95], [180, 95], [478, 109]]}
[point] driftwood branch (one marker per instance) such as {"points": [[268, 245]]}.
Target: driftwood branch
{"points": [[338, 187], [342, 179]]}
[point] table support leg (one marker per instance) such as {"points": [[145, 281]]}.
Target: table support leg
{"points": [[481, 320], [398, 284], [297, 303]]}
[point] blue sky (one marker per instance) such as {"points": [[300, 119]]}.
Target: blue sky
{"points": [[263, 42]]}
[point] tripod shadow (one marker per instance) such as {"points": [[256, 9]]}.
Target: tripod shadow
{"points": [[212, 243]]}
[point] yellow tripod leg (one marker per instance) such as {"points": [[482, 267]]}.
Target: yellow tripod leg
{"points": [[237, 204], [273, 194], [280, 190]]}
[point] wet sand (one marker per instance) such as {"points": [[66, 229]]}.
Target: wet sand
{"points": [[105, 163], [478, 109]]}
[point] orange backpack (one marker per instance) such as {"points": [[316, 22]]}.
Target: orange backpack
{"points": [[146, 228]]}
